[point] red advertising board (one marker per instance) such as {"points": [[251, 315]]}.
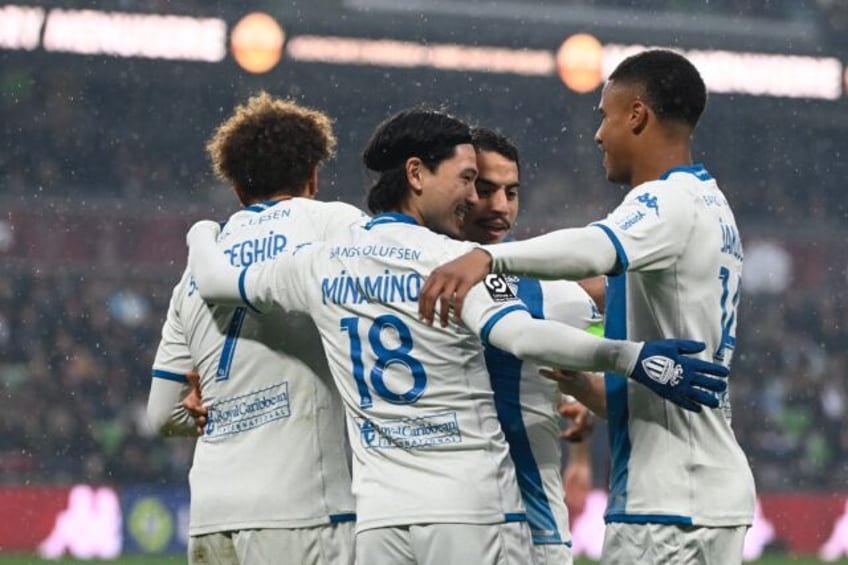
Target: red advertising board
{"points": [[89, 522], [29, 514]]}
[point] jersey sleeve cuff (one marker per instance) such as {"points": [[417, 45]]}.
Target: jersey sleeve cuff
{"points": [[623, 261], [495, 318], [170, 376]]}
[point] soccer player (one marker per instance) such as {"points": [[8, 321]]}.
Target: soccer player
{"points": [[433, 480], [681, 488], [527, 402], [270, 481]]}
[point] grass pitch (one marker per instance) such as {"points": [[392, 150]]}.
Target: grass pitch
{"points": [[150, 560]]}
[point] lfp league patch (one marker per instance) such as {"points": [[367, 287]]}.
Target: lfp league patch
{"points": [[498, 288]]}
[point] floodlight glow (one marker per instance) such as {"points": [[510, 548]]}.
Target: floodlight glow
{"points": [[406, 54], [756, 74], [579, 62], [20, 27], [135, 35], [257, 42]]}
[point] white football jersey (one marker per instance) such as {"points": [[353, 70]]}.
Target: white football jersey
{"points": [[427, 444], [680, 256], [527, 407], [272, 454]]}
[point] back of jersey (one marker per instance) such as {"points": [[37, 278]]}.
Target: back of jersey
{"points": [[677, 238], [272, 454], [427, 445]]}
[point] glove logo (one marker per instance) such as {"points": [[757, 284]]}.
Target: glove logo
{"points": [[663, 370]]}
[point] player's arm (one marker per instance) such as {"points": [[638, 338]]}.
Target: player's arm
{"points": [[171, 366], [577, 477], [217, 280], [165, 412], [568, 302], [664, 366], [595, 287], [589, 253], [589, 388], [259, 286], [581, 420]]}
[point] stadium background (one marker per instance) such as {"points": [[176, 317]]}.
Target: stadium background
{"points": [[102, 169]]}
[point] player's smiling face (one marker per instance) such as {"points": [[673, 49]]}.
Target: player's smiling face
{"points": [[615, 133], [493, 215], [448, 192]]}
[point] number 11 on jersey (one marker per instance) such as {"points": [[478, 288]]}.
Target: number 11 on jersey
{"points": [[385, 356], [729, 303]]}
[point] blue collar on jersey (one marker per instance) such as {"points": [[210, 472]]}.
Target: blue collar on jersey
{"points": [[262, 206], [697, 169], [391, 218]]}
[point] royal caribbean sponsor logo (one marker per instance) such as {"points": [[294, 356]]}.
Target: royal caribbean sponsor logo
{"points": [[248, 411], [410, 433]]}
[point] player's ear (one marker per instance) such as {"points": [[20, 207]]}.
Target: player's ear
{"points": [[414, 170], [311, 189], [639, 115], [241, 194]]}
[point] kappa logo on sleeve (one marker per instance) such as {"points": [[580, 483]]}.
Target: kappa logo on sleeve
{"points": [[651, 202], [498, 288]]}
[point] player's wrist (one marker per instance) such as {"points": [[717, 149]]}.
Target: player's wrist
{"points": [[627, 355], [488, 258]]}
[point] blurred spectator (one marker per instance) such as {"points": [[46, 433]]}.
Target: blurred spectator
{"points": [[75, 379]]}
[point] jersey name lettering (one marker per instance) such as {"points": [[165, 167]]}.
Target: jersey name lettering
{"points": [[385, 287]]}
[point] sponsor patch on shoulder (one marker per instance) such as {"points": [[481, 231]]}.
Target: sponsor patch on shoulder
{"points": [[498, 288]]}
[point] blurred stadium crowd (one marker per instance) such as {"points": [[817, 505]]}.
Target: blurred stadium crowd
{"points": [[77, 338]]}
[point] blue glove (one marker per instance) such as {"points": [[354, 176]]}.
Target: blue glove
{"points": [[665, 367]]}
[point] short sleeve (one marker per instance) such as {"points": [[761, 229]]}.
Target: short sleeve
{"points": [[651, 227], [173, 357], [280, 283], [567, 302]]}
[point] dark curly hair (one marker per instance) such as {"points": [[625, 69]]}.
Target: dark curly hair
{"points": [[270, 146]]}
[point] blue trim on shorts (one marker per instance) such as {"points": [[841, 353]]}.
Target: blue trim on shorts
{"points": [[343, 517], [536, 541], [648, 519], [510, 517]]}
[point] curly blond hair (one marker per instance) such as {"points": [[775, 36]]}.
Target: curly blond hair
{"points": [[270, 146]]}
